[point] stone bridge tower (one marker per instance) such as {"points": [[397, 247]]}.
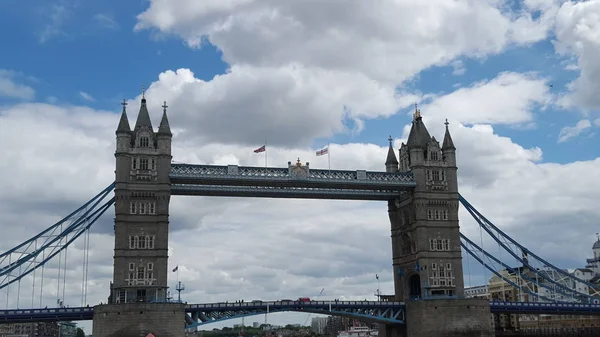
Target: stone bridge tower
{"points": [[425, 232], [137, 304], [426, 249], [142, 191]]}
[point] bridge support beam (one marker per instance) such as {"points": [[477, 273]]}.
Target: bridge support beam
{"points": [[139, 319]]}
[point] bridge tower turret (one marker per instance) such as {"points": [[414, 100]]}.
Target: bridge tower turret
{"points": [[424, 222], [142, 191]]}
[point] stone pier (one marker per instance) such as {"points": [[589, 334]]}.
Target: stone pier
{"points": [[444, 318], [139, 319]]}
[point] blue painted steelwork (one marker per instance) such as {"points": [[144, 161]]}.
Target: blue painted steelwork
{"points": [[479, 255], [284, 192], [295, 181], [544, 308], [525, 257], [384, 312], [46, 315], [381, 312], [51, 241]]}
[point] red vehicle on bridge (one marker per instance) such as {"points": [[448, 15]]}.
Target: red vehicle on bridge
{"points": [[304, 299]]}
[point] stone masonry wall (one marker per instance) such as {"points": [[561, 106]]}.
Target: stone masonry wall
{"points": [[139, 319], [449, 318]]}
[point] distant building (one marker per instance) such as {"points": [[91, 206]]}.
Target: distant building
{"points": [[477, 292], [37, 329], [67, 329], [594, 262], [318, 325], [255, 324], [499, 289]]}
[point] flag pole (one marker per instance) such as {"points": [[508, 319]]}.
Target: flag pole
{"points": [[266, 155], [329, 157]]}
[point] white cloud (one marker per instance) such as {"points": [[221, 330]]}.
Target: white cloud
{"points": [[105, 21], [10, 88], [56, 15], [458, 68], [86, 96], [388, 40], [569, 132], [507, 99], [578, 35], [289, 105]]}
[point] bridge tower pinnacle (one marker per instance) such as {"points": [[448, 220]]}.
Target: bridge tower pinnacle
{"points": [[424, 222], [142, 191]]}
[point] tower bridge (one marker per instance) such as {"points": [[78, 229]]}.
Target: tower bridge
{"points": [[421, 190]]}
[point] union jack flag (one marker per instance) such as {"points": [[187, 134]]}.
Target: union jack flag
{"points": [[261, 149]]}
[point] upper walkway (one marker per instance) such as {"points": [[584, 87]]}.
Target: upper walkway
{"points": [[294, 181]]}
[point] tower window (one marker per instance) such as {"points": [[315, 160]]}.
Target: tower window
{"points": [[144, 142], [150, 241], [133, 208], [134, 163], [439, 245], [143, 164], [143, 208], [152, 208], [436, 175], [153, 164], [150, 266], [434, 155], [131, 266], [141, 241]]}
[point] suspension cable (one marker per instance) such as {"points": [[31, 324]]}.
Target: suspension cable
{"points": [[42, 283], [19, 289], [469, 271], [87, 265], [33, 283], [59, 270], [83, 268], [65, 274], [8, 278]]}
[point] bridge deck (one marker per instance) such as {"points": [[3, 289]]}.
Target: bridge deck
{"points": [[290, 182], [390, 312]]}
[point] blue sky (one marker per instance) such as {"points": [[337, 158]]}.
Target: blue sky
{"points": [[304, 74]]}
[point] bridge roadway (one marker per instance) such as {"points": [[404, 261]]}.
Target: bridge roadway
{"points": [[375, 311]]}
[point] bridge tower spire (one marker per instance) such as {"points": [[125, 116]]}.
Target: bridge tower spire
{"points": [[424, 223]]}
